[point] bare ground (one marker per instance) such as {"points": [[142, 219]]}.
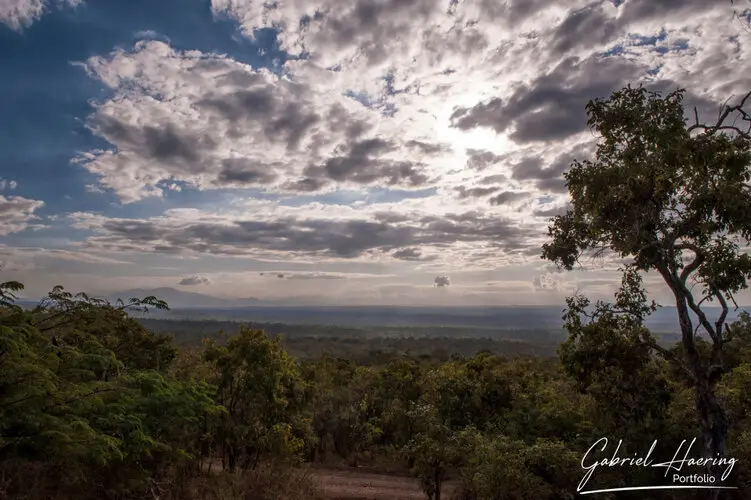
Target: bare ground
{"points": [[338, 484], [349, 483]]}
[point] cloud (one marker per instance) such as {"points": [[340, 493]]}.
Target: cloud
{"points": [[590, 25], [6, 184], [547, 281], [441, 281], [360, 165], [639, 10], [214, 123], [476, 192], [551, 107], [553, 211], [16, 214], [19, 14], [548, 177], [276, 232], [508, 197], [315, 276], [23, 259], [480, 160], [412, 254], [194, 280]]}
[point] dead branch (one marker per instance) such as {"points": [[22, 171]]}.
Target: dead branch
{"points": [[725, 111]]}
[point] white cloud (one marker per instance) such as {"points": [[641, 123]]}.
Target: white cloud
{"points": [[18, 14], [9, 185], [17, 214], [214, 123]]}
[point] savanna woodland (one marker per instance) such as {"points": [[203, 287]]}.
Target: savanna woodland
{"points": [[93, 405]]}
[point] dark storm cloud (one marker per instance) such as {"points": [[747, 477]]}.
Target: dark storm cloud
{"points": [[551, 107], [338, 238], [359, 163], [194, 280], [507, 197]]}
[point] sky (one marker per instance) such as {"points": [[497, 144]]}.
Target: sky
{"points": [[403, 152]]}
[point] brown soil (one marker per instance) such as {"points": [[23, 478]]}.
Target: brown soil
{"points": [[338, 484], [363, 483]]}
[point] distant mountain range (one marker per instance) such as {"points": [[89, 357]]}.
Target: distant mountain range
{"points": [[179, 299], [192, 305]]}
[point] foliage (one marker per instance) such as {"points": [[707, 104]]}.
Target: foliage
{"points": [[671, 198], [260, 387], [86, 412]]}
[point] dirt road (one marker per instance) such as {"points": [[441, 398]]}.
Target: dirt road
{"points": [[356, 485]]}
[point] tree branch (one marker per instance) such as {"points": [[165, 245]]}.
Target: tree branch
{"points": [[693, 265], [669, 356], [725, 111]]}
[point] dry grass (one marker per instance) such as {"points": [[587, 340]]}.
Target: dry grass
{"points": [[267, 482], [264, 483]]}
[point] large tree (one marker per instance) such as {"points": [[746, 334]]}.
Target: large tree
{"points": [[670, 195]]}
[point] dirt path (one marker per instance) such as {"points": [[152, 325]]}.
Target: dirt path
{"points": [[344, 483], [356, 485]]}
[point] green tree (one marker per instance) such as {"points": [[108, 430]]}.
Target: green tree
{"points": [[260, 387], [501, 468], [657, 189], [398, 387], [434, 449], [72, 319], [71, 407], [609, 357]]}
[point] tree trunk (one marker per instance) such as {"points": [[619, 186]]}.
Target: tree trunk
{"points": [[714, 429], [232, 458], [712, 418]]}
